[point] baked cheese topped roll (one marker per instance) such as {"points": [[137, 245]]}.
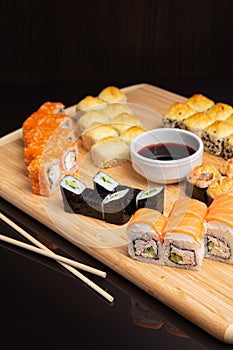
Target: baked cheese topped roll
{"points": [[124, 121], [220, 111], [214, 135], [87, 119], [112, 94], [90, 102], [197, 122], [200, 103], [132, 132], [110, 152], [113, 109], [176, 114], [95, 133]]}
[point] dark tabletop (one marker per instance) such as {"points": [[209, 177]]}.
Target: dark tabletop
{"points": [[43, 306]]}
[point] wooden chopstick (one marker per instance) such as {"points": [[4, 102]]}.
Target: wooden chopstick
{"points": [[53, 256]]}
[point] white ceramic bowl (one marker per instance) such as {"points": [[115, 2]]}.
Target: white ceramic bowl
{"points": [[166, 171]]}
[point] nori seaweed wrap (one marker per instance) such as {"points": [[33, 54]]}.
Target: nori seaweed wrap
{"points": [[71, 191], [91, 204], [104, 184], [152, 198], [118, 207]]}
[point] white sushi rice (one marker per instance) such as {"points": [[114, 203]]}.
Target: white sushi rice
{"points": [[72, 184], [219, 242]]}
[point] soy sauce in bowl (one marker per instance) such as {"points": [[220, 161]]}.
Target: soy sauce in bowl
{"points": [[166, 151]]}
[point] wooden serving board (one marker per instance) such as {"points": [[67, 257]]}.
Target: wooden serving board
{"points": [[204, 297]]}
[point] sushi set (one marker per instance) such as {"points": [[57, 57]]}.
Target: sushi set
{"points": [[83, 204]]}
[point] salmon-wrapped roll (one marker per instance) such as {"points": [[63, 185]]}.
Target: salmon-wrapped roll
{"points": [[219, 233], [47, 127], [184, 234], [145, 236], [44, 174]]}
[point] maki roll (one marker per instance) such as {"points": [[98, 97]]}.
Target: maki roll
{"points": [[224, 185], [44, 174], [227, 168], [197, 122], [228, 147], [152, 198], [104, 184], [184, 234], [71, 190], [220, 111], [118, 207], [91, 204], [112, 94], [145, 236], [214, 137], [219, 233], [176, 114], [198, 180], [200, 103], [79, 199], [69, 157]]}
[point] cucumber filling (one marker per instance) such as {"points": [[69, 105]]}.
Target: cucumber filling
{"points": [[218, 247], [146, 248], [182, 256]]}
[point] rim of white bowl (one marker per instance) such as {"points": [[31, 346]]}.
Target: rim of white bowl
{"points": [[167, 162]]}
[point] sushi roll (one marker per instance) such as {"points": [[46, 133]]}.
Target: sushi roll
{"points": [[112, 94], [176, 114], [227, 152], [69, 157], [89, 103], [47, 127], [87, 119], [214, 136], [124, 121], [44, 173], [118, 207], [219, 232], [110, 152], [71, 190], [200, 103], [132, 132], [96, 133], [104, 184], [227, 168], [220, 111], [184, 234], [46, 145], [198, 180], [113, 109], [224, 185], [151, 198], [197, 122], [91, 204], [145, 236], [52, 107]]}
